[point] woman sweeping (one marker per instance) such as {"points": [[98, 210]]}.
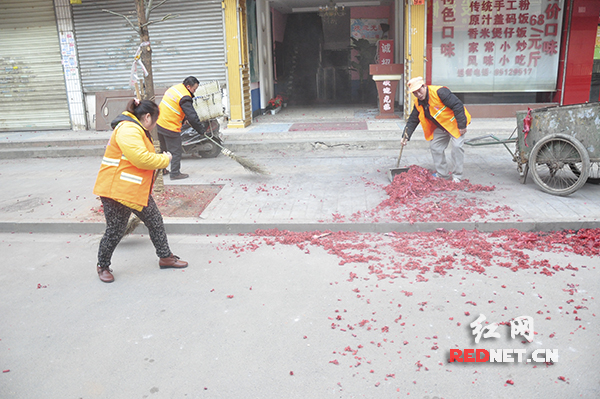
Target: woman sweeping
{"points": [[124, 184]]}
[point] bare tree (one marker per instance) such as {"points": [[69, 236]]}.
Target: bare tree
{"points": [[143, 10]]}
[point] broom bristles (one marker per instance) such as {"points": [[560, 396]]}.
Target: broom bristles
{"points": [[246, 163], [133, 222]]}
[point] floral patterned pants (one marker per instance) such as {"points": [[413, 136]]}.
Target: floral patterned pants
{"points": [[117, 216]]}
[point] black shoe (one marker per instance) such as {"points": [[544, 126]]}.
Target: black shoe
{"points": [[165, 171], [179, 176]]}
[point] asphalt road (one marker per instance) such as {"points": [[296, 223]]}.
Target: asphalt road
{"points": [[273, 317]]}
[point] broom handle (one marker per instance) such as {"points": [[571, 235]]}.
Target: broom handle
{"points": [[224, 150], [399, 156], [219, 145], [401, 148]]}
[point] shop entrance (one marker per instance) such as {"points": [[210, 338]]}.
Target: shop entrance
{"points": [[315, 62]]}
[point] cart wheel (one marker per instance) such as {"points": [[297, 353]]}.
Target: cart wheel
{"points": [[523, 168], [552, 160], [594, 172]]}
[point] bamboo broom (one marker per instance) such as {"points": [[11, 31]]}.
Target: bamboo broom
{"points": [[246, 163]]}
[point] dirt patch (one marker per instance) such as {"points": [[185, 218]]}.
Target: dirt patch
{"points": [[179, 201], [186, 201]]}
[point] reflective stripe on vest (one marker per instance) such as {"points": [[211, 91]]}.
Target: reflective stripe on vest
{"points": [[110, 161], [131, 178]]}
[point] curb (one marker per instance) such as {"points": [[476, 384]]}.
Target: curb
{"points": [[239, 142], [245, 228], [235, 146]]}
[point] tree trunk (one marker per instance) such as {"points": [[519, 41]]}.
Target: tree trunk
{"points": [[148, 87]]}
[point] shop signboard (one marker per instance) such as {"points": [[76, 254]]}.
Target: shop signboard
{"points": [[385, 52], [370, 29], [496, 46]]}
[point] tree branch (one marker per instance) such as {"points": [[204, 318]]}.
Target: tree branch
{"points": [[166, 17], [154, 8], [126, 18], [148, 9]]}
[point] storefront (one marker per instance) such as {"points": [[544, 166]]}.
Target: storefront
{"points": [[189, 41], [507, 54], [32, 85]]}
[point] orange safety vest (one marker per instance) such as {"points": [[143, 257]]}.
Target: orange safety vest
{"points": [[118, 178], [171, 115], [441, 113]]}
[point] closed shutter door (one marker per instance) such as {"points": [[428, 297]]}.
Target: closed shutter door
{"points": [[32, 85], [192, 43]]}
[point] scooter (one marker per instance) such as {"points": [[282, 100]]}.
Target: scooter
{"points": [[197, 144]]}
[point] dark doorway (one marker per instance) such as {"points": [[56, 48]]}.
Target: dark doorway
{"points": [[312, 65], [301, 45]]}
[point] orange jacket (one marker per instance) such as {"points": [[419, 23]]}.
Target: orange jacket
{"points": [[127, 171], [441, 113], [171, 115]]}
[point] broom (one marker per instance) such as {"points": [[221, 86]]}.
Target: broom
{"points": [[135, 221], [246, 163], [132, 224]]}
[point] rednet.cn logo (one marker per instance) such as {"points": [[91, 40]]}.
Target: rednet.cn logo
{"points": [[522, 325]]}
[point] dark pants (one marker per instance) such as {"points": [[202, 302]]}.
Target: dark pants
{"points": [[173, 145], [117, 216]]}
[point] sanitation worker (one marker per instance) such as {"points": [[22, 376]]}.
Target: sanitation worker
{"points": [[444, 119], [124, 184], [175, 107]]}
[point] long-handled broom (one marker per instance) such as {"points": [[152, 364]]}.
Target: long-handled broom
{"points": [[246, 163], [135, 221]]}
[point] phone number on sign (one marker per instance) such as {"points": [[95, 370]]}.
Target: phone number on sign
{"points": [[461, 73]]}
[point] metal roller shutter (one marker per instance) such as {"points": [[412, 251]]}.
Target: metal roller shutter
{"points": [[190, 44], [32, 85]]}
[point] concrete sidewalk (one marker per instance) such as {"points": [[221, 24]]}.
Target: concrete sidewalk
{"points": [[325, 165], [318, 189]]}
